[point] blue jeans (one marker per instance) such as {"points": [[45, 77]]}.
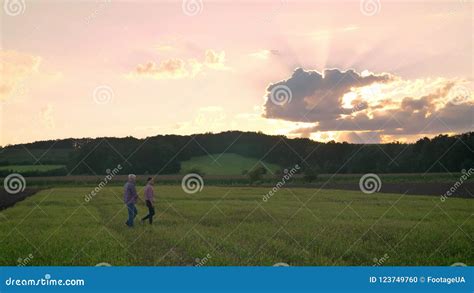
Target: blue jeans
{"points": [[132, 213]]}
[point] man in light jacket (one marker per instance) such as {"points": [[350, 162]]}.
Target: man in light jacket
{"points": [[130, 197]]}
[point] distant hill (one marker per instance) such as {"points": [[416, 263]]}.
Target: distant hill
{"points": [[31, 168], [32, 155], [226, 164], [167, 154]]}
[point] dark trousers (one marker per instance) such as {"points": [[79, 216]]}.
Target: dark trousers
{"points": [[151, 212]]}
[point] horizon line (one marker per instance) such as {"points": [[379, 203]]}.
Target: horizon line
{"points": [[226, 131]]}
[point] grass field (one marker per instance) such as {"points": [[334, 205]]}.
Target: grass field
{"points": [[88, 180], [225, 164], [233, 226], [28, 168]]}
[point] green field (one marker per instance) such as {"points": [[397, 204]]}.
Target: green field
{"points": [[268, 179], [233, 226], [29, 168], [225, 164]]}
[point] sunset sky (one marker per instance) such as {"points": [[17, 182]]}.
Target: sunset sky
{"points": [[360, 71]]}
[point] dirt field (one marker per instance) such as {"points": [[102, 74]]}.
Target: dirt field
{"points": [[8, 200], [466, 190]]}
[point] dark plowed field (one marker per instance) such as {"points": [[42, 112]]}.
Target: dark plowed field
{"points": [[8, 200], [466, 190]]}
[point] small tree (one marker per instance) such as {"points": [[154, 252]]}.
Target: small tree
{"points": [[311, 174], [196, 171], [278, 173], [256, 174]]}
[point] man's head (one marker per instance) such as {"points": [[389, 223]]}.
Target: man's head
{"points": [[150, 180], [132, 178]]}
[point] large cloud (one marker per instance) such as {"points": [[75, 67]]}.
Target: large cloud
{"points": [[413, 115], [315, 96], [14, 68], [321, 99]]}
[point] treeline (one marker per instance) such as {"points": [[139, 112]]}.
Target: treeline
{"points": [[36, 173], [163, 154]]}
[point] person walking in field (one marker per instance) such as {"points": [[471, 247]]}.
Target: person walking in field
{"points": [[149, 200], [130, 197]]}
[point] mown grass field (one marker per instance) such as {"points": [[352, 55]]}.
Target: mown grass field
{"points": [[28, 168], [234, 226], [225, 164]]}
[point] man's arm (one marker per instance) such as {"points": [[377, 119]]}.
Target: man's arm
{"points": [[134, 191], [126, 194]]}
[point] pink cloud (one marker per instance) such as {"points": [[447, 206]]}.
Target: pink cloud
{"points": [[176, 68], [14, 68]]}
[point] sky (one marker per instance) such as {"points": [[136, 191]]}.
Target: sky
{"points": [[368, 71]]}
